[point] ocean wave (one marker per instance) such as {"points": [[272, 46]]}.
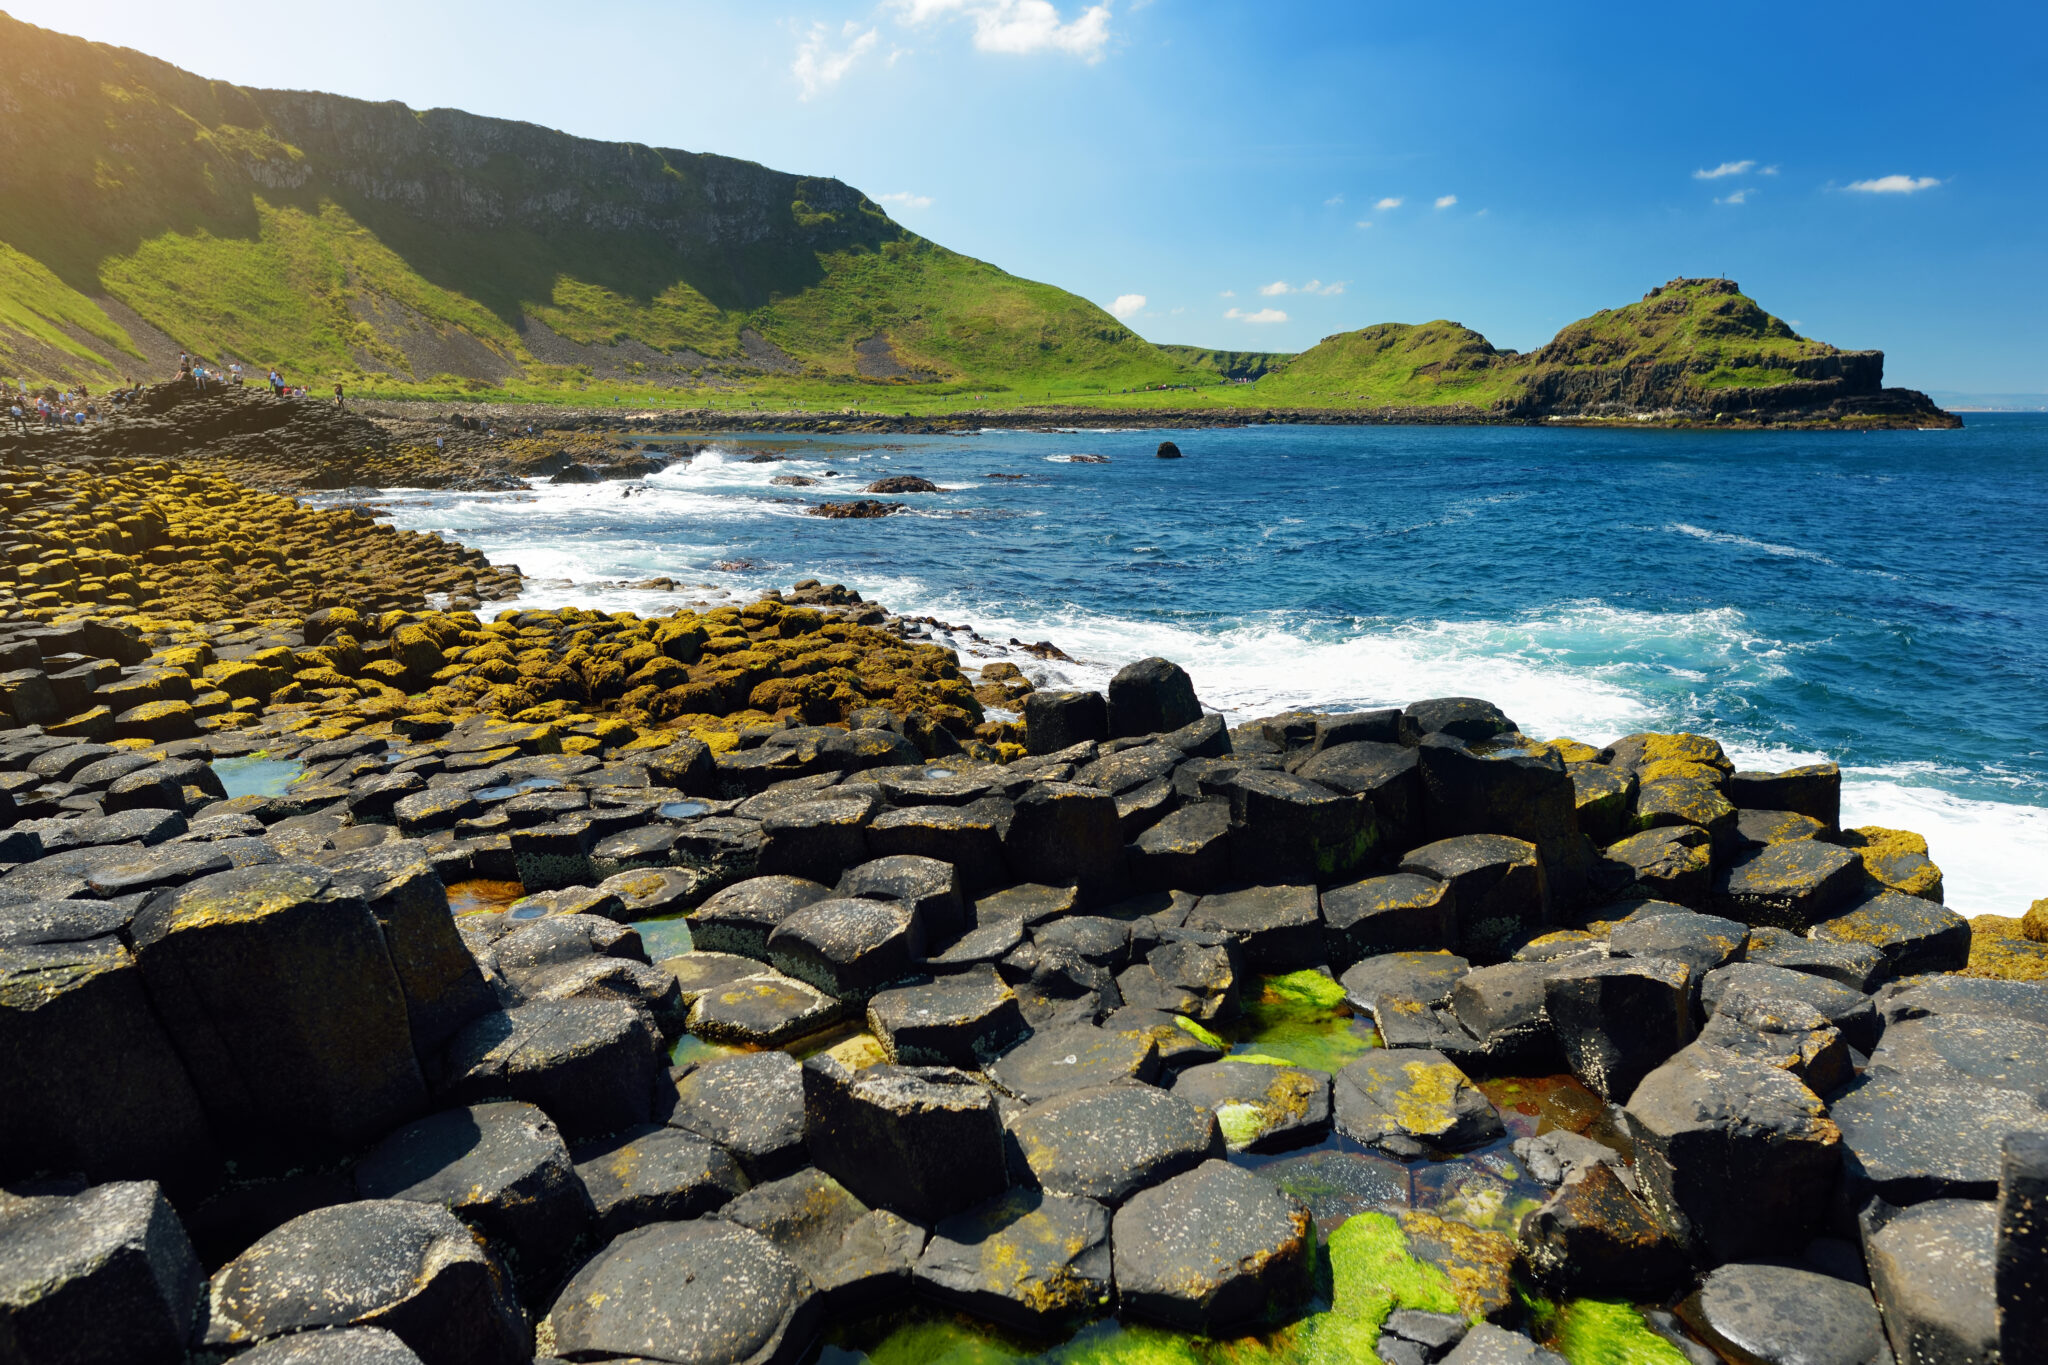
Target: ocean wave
{"points": [[1746, 542]]}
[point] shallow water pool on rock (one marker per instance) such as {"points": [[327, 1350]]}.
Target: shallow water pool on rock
{"points": [[256, 775], [1299, 1017]]}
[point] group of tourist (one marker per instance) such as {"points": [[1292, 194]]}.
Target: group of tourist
{"points": [[52, 407]]}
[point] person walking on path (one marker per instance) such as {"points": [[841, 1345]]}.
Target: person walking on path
{"points": [[337, 395]]}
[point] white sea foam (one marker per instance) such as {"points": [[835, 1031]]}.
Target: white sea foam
{"points": [[1729, 538]]}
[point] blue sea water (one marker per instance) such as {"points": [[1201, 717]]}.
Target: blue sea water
{"points": [[1880, 599]]}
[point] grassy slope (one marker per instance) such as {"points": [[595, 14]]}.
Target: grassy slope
{"points": [[248, 225], [183, 198]]}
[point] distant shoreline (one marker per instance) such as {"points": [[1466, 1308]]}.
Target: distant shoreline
{"points": [[724, 420]]}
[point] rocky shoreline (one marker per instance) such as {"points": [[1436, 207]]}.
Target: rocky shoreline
{"points": [[595, 987]]}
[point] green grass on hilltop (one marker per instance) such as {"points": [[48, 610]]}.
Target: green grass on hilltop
{"points": [[430, 254]]}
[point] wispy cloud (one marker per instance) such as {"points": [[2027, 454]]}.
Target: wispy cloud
{"points": [[1264, 315], [1391, 202], [1444, 201], [1737, 197], [821, 63], [1333, 201], [1365, 222], [1279, 287], [1018, 26], [1228, 294], [1128, 305], [903, 199], [1728, 168], [1894, 184]]}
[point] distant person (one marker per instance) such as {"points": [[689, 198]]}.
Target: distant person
{"points": [[235, 374], [20, 418], [337, 395]]}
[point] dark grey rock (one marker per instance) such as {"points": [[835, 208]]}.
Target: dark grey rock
{"points": [[1789, 886], [1077, 1057], [410, 1268], [1466, 718], [1068, 835], [2008, 1054], [1275, 928], [1814, 791], [1908, 1137], [1402, 912], [817, 840], [2022, 1245], [655, 1175], [1859, 966], [1603, 797], [443, 988], [503, 1169], [1029, 1261], [1850, 1011], [761, 1009], [1408, 995], [1503, 1009], [923, 1142], [1185, 976], [1287, 828], [1027, 903], [1524, 795], [1055, 720], [654, 892], [1917, 997], [1108, 1143], [1701, 942], [1258, 1106], [1151, 696], [1215, 1248], [1618, 1020], [707, 1292], [290, 1065], [93, 1082], [1736, 1158], [1789, 1034], [969, 837], [1932, 1268], [752, 1105], [859, 1258], [1593, 1236], [1782, 1314], [1131, 769], [1670, 863], [1187, 850], [1914, 934], [964, 1020], [1409, 1100], [740, 918], [1487, 1344], [849, 948], [1385, 773], [591, 1064], [334, 1346], [927, 887], [1498, 885], [106, 1275]]}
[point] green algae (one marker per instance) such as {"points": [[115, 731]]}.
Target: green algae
{"points": [[690, 1049], [1600, 1332], [1299, 1019], [1199, 1033]]}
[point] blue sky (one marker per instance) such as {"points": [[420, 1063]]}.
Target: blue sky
{"points": [[1260, 175]]}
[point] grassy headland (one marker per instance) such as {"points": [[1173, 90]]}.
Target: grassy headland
{"points": [[440, 256]]}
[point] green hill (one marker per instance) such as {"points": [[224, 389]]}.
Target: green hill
{"points": [[145, 210], [1689, 350]]}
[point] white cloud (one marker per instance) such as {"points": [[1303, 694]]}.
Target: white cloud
{"points": [[1127, 305], [1894, 184], [1228, 294], [1385, 204], [1276, 288], [1333, 201], [1446, 200], [819, 65], [905, 200], [1264, 315], [1018, 26], [1738, 197], [1365, 222], [1728, 168], [1768, 170]]}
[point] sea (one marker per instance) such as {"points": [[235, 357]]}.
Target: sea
{"points": [[1877, 599]]}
